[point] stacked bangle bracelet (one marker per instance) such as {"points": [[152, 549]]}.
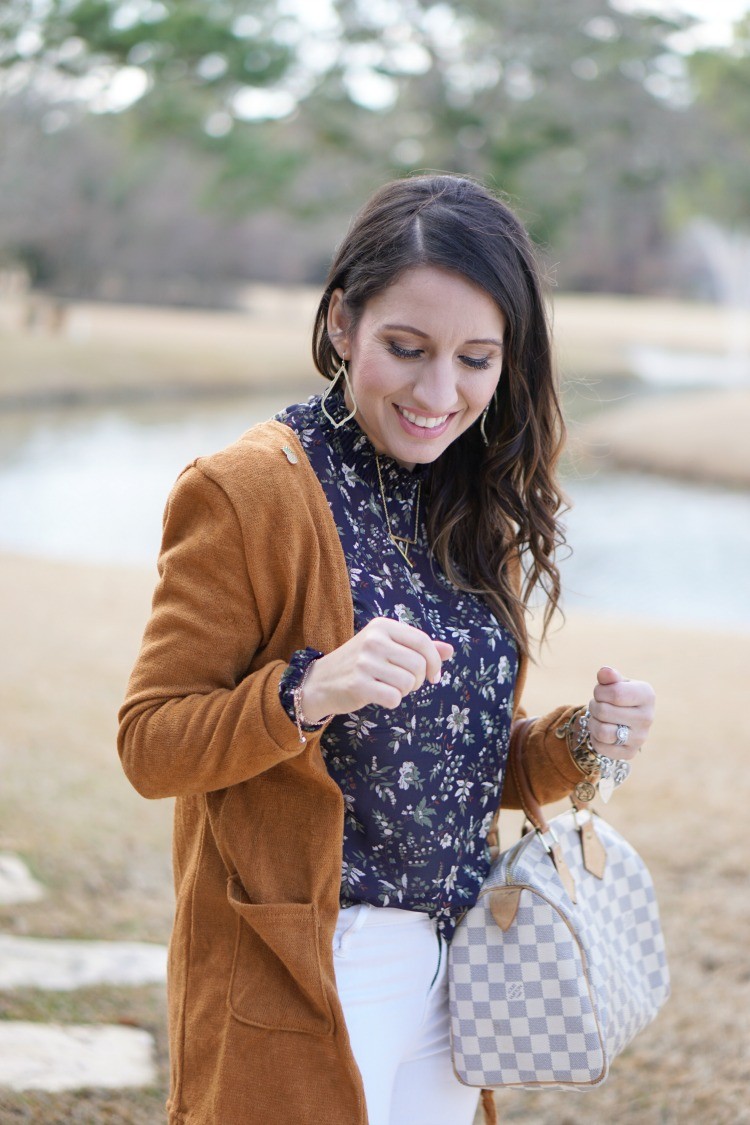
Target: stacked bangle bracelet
{"points": [[299, 716], [290, 690], [599, 771]]}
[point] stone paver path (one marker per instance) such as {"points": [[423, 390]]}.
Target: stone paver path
{"points": [[65, 965], [36, 1056], [17, 884], [56, 1057]]}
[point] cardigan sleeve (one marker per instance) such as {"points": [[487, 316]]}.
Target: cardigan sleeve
{"points": [[551, 771], [195, 717]]}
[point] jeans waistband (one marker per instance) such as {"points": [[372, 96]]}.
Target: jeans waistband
{"points": [[365, 912]]}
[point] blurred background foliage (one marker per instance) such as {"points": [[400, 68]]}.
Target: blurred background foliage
{"points": [[170, 149]]}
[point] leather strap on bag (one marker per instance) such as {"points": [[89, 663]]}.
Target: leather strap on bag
{"points": [[531, 807], [489, 1107]]}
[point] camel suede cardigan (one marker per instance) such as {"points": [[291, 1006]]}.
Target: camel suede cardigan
{"points": [[251, 569]]}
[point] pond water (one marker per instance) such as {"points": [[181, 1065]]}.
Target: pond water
{"points": [[91, 485]]}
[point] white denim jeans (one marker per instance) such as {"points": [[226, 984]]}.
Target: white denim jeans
{"points": [[391, 973]]}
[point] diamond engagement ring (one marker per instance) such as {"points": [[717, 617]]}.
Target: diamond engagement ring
{"points": [[622, 734]]}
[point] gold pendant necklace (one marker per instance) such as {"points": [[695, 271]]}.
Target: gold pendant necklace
{"points": [[402, 543]]}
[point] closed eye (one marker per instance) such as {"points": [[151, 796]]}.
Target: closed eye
{"points": [[476, 364], [404, 353]]}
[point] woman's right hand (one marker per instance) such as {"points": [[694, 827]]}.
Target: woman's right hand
{"points": [[381, 664]]}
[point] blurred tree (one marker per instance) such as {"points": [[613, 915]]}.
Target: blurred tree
{"points": [[586, 113], [90, 214], [189, 70], [719, 183], [576, 110]]}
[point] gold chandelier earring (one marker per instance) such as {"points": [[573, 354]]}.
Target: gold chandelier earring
{"points": [[483, 417], [482, 420], [347, 383]]}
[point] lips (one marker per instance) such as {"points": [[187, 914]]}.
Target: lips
{"points": [[422, 420]]}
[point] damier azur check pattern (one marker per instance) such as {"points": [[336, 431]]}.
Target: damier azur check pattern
{"points": [[552, 1001]]}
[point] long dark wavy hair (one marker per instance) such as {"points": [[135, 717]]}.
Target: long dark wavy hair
{"points": [[490, 507]]}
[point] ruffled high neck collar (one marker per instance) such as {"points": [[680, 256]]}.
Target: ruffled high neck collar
{"points": [[352, 444]]}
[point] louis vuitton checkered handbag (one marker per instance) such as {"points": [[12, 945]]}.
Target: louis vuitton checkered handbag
{"points": [[561, 962]]}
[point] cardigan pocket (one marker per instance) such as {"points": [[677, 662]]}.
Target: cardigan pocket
{"points": [[276, 981]]}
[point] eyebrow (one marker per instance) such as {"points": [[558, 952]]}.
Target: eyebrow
{"points": [[425, 336]]}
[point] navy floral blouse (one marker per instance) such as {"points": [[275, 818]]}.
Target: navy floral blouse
{"points": [[420, 782]]}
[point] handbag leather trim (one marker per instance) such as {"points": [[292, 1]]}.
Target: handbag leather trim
{"points": [[504, 906]]}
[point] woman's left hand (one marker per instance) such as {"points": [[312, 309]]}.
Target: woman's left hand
{"points": [[617, 703]]}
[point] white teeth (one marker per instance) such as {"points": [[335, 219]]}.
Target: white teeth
{"points": [[419, 420]]}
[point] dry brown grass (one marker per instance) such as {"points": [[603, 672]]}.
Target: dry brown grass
{"points": [[700, 436], [595, 333], [71, 633], [103, 348], [131, 350], [119, 353]]}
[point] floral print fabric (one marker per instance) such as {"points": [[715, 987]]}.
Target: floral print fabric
{"points": [[420, 782]]}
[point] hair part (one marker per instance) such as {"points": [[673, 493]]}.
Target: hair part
{"points": [[489, 508]]}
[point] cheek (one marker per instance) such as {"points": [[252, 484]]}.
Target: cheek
{"points": [[479, 391], [376, 375]]}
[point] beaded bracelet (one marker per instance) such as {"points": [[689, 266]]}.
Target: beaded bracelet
{"points": [[290, 690]]}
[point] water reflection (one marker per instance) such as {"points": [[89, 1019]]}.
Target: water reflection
{"points": [[91, 486]]}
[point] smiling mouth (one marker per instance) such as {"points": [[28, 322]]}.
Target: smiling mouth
{"points": [[422, 420]]}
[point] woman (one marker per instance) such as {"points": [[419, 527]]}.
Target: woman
{"points": [[335, 656]]}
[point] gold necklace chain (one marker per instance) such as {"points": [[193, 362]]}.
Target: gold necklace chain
{"points": [[402, 543]]}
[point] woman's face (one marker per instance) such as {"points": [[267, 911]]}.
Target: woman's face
{"points": [[424, 361]]}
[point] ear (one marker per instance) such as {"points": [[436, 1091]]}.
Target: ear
{"points": [[337, 323]]}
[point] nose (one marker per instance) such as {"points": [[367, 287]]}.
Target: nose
{"points": [[435, 389]]}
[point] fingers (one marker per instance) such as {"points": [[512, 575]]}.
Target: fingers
{"points": [[408, 648], [636, 718], [604, 738], [625, 693], [445, 650], [607, 675], [404, 669], [382, 664], [620, 702], [385, 695]]}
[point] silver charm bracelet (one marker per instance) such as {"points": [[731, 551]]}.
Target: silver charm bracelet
{"points": [[611, 772]]}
